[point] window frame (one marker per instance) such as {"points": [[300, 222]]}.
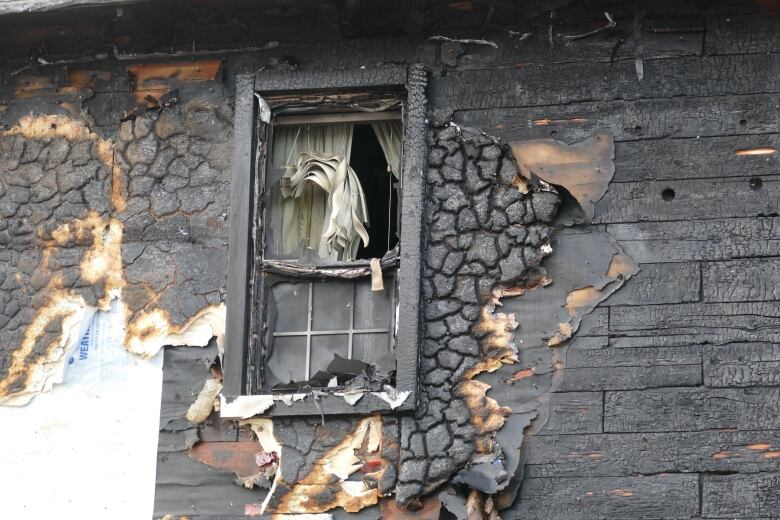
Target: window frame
{"points": [[252, 119]]}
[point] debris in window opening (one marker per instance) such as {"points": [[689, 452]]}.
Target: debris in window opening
{"points": [[349, 374]]}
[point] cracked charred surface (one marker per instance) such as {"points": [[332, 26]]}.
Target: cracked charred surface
{"points": [[489, 231], [85, 220], [483, 231]]}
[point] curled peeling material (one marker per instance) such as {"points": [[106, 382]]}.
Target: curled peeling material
{"points": [[245, 406], [201, 408], [392, 396], [351, 396]]}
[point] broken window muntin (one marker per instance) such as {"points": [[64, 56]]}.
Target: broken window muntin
{"points": [[340, 395]]}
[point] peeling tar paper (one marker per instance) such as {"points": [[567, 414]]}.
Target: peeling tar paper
{"points": [[88, 448]]}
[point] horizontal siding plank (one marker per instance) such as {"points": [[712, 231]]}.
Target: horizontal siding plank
{"points": [[631, 368], [574, 412], [717, 239], [742, 34], [556, 84], [742, 365], [696, 199], [631, 120], [629, 378], [668, 496], [660, 283], [648, 453], [744, 280], [694, 324], [692, 409], [741, 496], [692, 158]]}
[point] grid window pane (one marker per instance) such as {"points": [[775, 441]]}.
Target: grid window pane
{"points": [[373, 309], [314, 320], [287, 361], [369, 348], [324, 347], [332, 305], [289, 303]]}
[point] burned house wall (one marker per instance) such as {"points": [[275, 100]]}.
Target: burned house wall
{"points": [[663, 404]]}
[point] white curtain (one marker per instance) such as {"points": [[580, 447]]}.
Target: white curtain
{"points": [[320, 198], [389, 134]]}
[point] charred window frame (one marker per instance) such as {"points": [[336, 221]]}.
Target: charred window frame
{"points": [[259, 98]]}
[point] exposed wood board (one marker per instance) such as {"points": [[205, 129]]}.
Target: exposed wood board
{"points": [[631, 368], [575, 412], [741, 496], [694, 324], [537, 85], [649, 453], [682, 240], [744, 280], [742, 365], [692, 409], [660, 283], [671, 496], [697, 199], [631, 120], [699, 158], [742, 34]]}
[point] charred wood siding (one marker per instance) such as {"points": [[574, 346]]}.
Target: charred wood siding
{"points": [[667, 410]]}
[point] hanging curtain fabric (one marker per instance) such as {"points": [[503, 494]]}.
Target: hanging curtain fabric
{"points": [[389, 134], [293, 219], [322, 201]]}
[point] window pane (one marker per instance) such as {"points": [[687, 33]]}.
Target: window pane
{"points": [[287, 361], [332, 306], [373, 309], [368, 348], [289, 303], [323, 348]]}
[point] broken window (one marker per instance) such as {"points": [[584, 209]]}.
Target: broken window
{"points": [[331, 206], [334, 197]]}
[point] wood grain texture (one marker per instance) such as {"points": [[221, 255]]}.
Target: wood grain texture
{"points": [[692, 409], [627, 454], [745, 280], [696, 199], [660, 283], [741, 365], [697, 158], [530, 85], [716, 239], [668, 496], [694, 324], [631, 368], [574, 412], [631, 120], [741, 496]]}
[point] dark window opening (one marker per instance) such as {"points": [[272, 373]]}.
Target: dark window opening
{"points": [[368, 161]]}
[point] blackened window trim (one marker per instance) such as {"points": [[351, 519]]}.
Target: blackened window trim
{"points": [[252, 117]]}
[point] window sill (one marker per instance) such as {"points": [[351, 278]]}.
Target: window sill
{"points": [[314, 403]]}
